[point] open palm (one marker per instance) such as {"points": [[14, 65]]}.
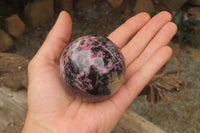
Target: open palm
{"points": [[142, 41]]}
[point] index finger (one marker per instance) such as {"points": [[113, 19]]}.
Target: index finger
{"points": [[124, 32]]}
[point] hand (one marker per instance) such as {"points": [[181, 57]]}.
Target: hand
{"points": [[142, 41]]}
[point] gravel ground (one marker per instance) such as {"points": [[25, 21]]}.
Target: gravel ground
{"points": [[181, 114]]}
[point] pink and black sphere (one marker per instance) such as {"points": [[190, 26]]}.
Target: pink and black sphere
{"points": [[92, 68]]}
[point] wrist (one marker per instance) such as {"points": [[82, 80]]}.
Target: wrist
{"points": [[32, 126]]}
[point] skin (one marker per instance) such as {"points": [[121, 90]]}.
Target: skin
{"points": [[51, 109]]}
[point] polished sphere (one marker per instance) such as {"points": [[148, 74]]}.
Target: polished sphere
{"points": [[92, 68]]}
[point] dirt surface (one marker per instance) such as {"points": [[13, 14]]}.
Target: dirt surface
{"points": [[179, 115]]}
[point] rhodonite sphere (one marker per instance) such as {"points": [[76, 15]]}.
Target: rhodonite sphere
{"points": [[92, 67]]}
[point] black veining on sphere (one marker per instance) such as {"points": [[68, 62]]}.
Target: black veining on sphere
{"points": [[82, 42], [98, 89], [90, 63], [106, 55]]}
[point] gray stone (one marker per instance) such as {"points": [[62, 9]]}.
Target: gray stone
{"points": [[13, 69], [195, 2], [194, 13], [64, 4], [143, 6], [115, 3], [84, 3], [15, 26], [5, 41], [39, 12], [131, 122], [13, 110], [174, 4]]}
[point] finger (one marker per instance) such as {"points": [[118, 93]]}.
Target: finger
{"points": [[122, 34], [139, 42], [57, 38], [162, 38], [138, 81]]}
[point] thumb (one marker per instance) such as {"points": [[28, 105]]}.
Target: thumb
{"points": [[57, 38]]}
